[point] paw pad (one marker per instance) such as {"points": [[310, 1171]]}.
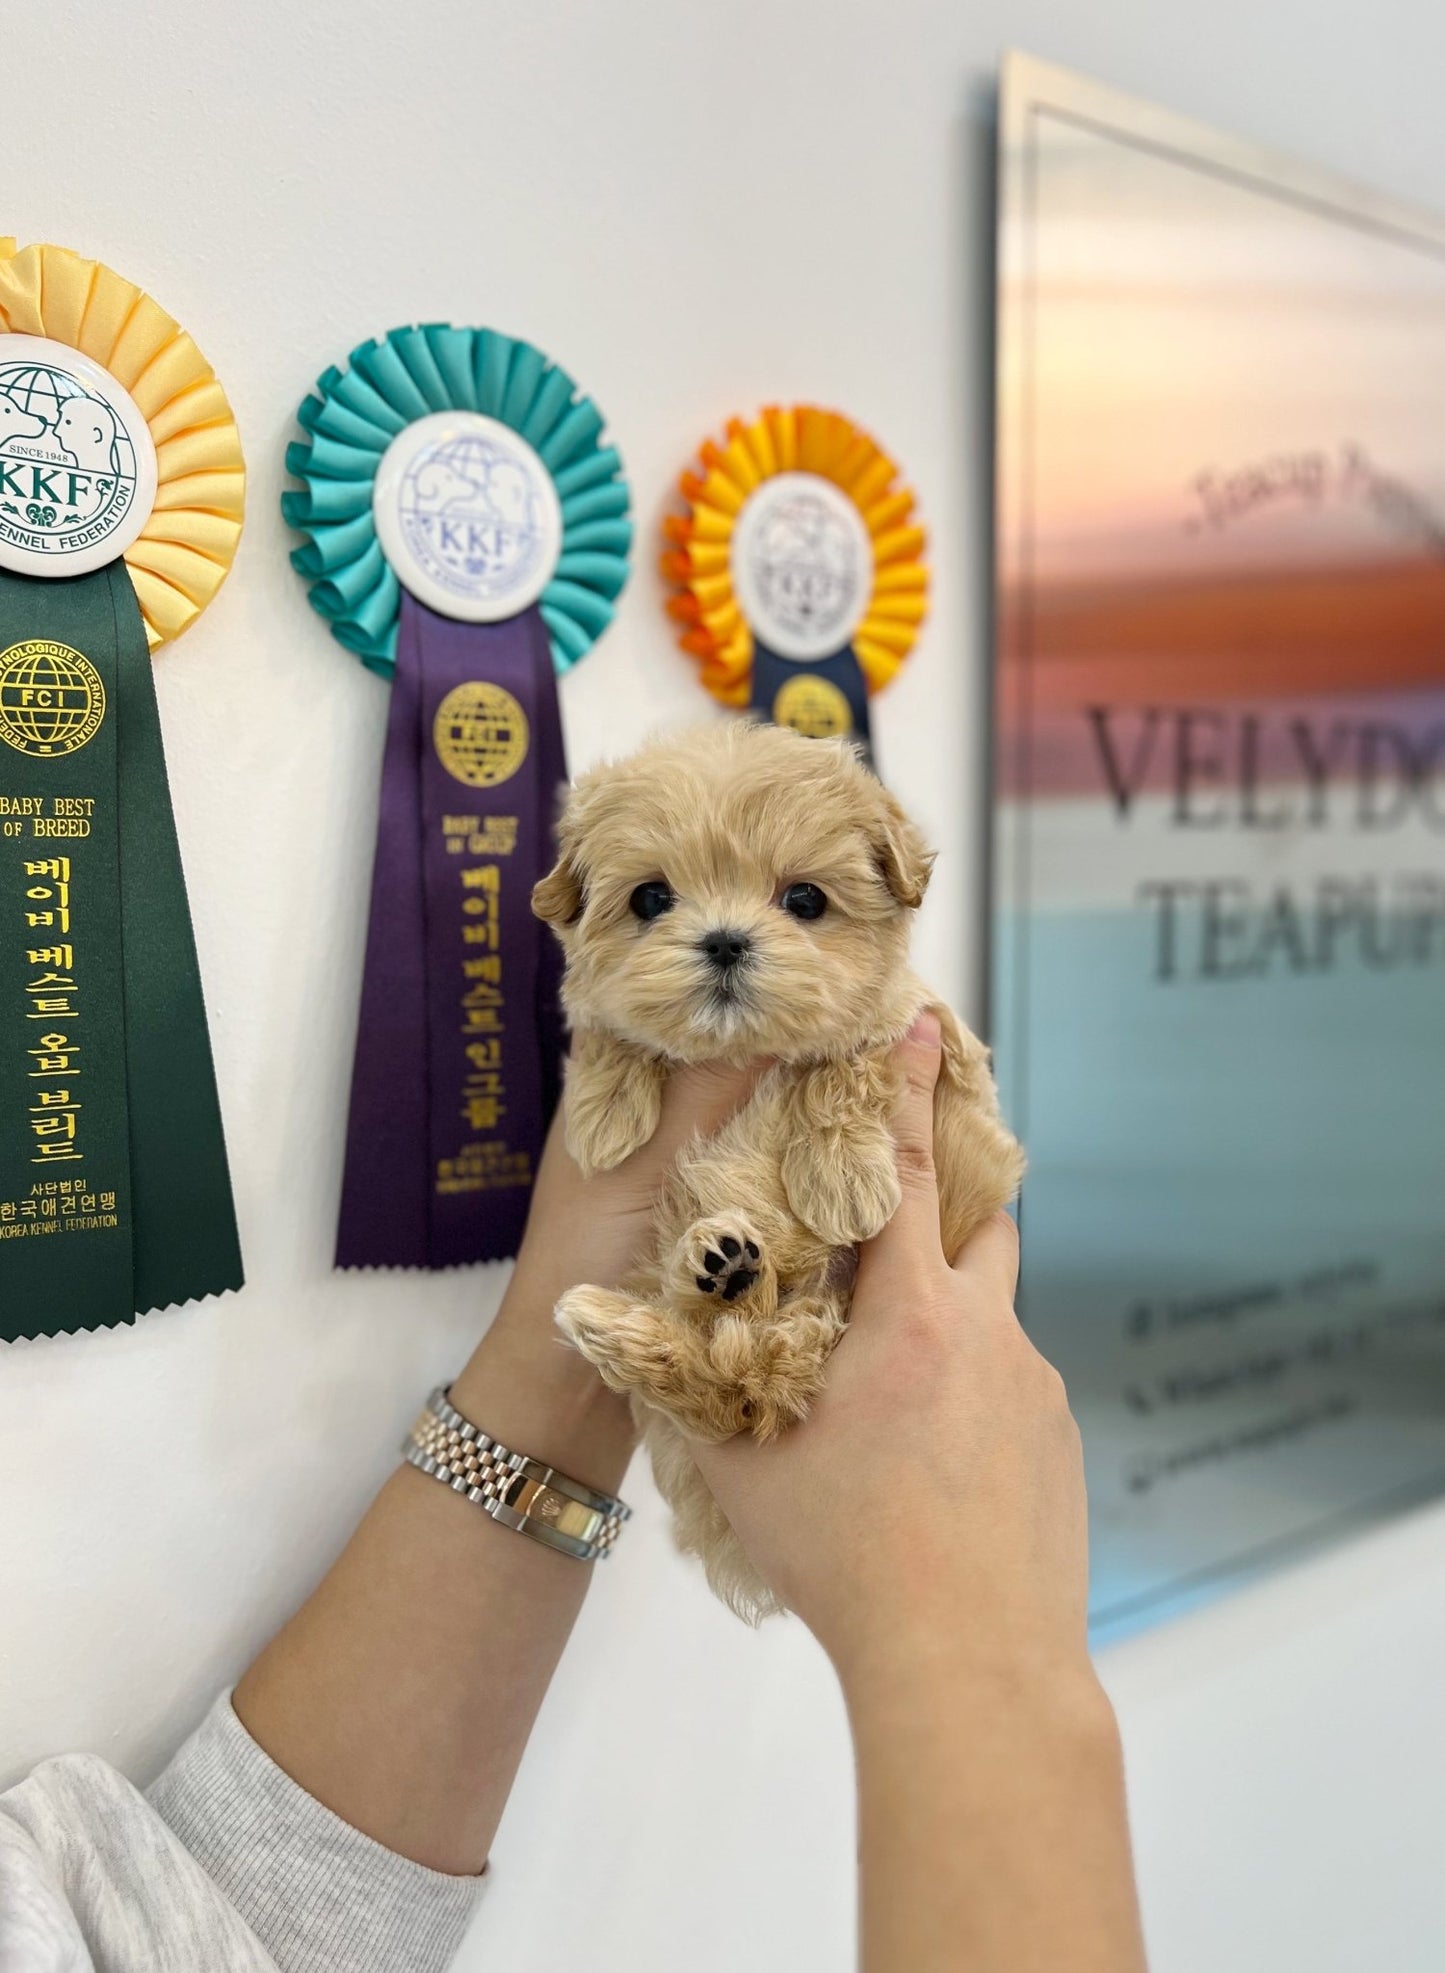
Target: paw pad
{"points": [[721, 1259], [732, 1267]]}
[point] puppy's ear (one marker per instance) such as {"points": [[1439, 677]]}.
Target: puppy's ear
{"points": [[557, 897], [904, 858]]}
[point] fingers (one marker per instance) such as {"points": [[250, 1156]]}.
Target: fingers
{"points": [[989, 1261], [697, 1101]]}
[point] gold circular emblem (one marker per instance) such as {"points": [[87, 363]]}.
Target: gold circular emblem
{"points": [[480, 734], [51, 698], [814, 706]]}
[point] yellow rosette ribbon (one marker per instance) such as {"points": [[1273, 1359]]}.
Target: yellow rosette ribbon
{"points": [[121, 500], [185, 550], [796, 568]]}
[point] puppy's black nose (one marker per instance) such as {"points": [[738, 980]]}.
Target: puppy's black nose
{"points": [[725, 949]]}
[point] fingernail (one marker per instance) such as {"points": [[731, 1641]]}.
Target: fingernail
{"points": [[926, 1030]]}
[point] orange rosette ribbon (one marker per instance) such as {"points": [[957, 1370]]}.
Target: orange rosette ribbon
{"points": [[831, 577]]}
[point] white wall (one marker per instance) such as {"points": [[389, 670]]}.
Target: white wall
{"points": [[697, 207]]}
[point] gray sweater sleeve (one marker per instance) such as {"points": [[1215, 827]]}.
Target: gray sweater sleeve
{"points": [[225, 1864]]}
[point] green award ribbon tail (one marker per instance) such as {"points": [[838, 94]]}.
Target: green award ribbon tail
{"points": [[115, 1195]]}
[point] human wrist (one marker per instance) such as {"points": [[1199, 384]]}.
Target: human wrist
{"points": [[527, 1389], [995, 1719], [929, 1668]]}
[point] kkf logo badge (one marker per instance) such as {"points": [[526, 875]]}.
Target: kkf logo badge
{"points": [[468, 516], [77, 465], [52, 699], [802, 565]]}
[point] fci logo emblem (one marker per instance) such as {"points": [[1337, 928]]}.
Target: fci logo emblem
{"points": [[77, 464], [480, 734], [52, 700]]}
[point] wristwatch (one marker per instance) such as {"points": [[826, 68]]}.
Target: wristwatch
{"points": [[521, 1493]]}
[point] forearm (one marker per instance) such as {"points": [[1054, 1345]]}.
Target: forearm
{"points": [[402, 1693], [992, 1826]]}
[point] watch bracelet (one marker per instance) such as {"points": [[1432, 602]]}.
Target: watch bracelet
{"points": [[515, 1490]]}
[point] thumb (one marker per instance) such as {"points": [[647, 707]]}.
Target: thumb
{"points": [[914, 1228]]}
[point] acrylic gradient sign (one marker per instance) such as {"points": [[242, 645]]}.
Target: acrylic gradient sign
{"points": [[796, 570], [121, 493], [1219, 1001], [466, 535]]}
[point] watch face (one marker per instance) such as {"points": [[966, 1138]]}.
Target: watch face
{"points": [[77, 462], [467, 516], [802, 566]]}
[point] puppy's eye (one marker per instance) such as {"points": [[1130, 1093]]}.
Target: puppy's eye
{"points": [[650, 900], [803, 901]]}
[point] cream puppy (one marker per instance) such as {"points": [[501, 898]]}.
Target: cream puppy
{"points": [[740, 893]]}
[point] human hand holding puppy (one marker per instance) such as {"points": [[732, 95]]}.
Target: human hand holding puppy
{"points": [[927, 1522], [934, 1496]]}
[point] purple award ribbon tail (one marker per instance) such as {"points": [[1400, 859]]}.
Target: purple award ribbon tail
{"points": [[486, 694], [552, 779], [458, 1057]]}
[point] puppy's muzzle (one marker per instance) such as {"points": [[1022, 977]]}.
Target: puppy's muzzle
{"points": [[725, 950]]}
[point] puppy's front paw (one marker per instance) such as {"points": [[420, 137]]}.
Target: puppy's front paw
{"points": [[613, 1100], [841, 1189], [600, 1135], [722, 1259]]}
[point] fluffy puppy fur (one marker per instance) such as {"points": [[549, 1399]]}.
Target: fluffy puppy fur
{"points": [[728, 1325]]}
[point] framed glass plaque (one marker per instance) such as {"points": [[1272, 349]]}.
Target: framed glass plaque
{"points": [[1219, 974]]}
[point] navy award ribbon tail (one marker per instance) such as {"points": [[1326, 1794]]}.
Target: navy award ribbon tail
{"points": [[826, 698], [115, 1194], [459, 1041]]}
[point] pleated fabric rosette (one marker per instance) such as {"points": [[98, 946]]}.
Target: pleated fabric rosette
{"points": [[466, 535], [122, 492], [796, 569]]}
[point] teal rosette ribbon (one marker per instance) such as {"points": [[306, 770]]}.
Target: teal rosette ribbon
{"points": [[355, 413], [466, 535]]}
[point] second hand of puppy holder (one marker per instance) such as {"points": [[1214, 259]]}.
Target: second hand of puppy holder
{"points": [[466, 536]]}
